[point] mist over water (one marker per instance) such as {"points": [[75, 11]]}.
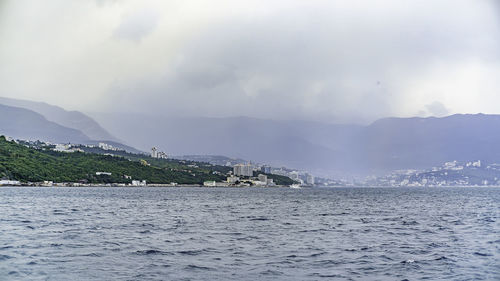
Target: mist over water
{"points": [[249, 234]]}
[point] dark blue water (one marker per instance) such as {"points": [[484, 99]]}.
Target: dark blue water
{"points": [[249, 234]]}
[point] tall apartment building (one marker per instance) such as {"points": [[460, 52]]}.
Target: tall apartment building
{"points": [[245, 170]]}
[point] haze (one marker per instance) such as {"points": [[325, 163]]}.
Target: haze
{"points": [[330, 61]]}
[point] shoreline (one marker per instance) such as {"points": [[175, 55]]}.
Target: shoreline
{"points": [[135, 186]]}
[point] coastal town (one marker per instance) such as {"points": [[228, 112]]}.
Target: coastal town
{"points": [[238, 175], [231, 172]]}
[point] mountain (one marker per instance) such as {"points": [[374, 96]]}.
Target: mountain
{"points": [[395, 143], [26, 124], [328, 149], [274, 142], [70, 119]]}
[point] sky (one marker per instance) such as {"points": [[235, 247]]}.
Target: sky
{"points": [[324, 60]]}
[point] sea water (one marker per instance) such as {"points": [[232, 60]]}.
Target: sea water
{"points": [[249, 233]]}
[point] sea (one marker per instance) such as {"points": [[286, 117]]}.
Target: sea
{"points": [[184, 233]]}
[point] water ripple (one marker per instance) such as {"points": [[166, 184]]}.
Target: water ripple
{"points": [[249, 234]]}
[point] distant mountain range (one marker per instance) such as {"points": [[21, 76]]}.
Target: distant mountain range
{"points": [[70, 119], [40, 121], [385, 145], [327, 149], [26, 124]]}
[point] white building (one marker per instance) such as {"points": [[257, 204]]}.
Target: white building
{"points": [[262, 178], [244, 170], [209, 183], [138, 183], [232, 179], [47, 183], [155, 153], [294, 175], [9, 182], [310, 179], [105, 146], [63, 148]]}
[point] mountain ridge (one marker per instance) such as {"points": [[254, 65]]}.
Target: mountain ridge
{"points": [[71, 119], [337, 149], [23, 123], [386, 144]]}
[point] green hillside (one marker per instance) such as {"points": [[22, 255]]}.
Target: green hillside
{"points": [[36, 165]]}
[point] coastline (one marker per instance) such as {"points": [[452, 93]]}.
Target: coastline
{"points": [[133, 186]]}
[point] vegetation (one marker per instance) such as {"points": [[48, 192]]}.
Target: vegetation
{"points": [[36, 165], [174, 164], [279, 180]]}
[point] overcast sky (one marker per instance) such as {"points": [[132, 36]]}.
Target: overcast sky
{"points": [[333, 61]]}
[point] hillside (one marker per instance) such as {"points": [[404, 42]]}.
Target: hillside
{"points": [[417, 143], [179, 164], [278, 143], [30, 165], [474, 173], [26, 124], [71, 119]]}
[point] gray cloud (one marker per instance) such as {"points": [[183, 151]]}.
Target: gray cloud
{"points": [[323, 60], [103, 3], [137, 25]]}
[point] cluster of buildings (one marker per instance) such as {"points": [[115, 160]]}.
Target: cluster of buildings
{"points": [[68, 148], [453, 173], [304, 178], [63, 147], [105, 146], [242, 168], [235, 181], [243, 175], [247, 170], [155, 153]]}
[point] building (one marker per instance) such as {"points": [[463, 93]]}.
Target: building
{"points": [[102, 174], [265, 169], [232, 179], [63, 148], [105, 146], [138, 183], [309, 179], [47, 183], [262, 178], [155, 153], [210, 183], [244, 170], [294, 175], [9, 182]]}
